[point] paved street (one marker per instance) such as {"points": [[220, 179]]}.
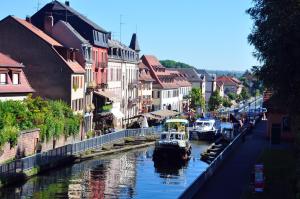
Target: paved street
{"points": [[232, 178]]}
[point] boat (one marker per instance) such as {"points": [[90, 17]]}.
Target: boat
{"points": [[204, 129], [173, 144]]}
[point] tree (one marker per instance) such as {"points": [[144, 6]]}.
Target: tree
{"points": [[174, 64], [245, 94], [275, 36], [197, 100], [232, 96], [215, 101], [226, 102]]}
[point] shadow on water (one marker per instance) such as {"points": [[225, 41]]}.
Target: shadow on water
{"points": [[167, 168], [128, 175]]}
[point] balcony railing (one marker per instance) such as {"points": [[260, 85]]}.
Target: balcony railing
{"points": [[101, 64], [132, 102], [146, 101]]}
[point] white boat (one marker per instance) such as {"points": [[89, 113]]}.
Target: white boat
{"points": [[204, 129], [174, 141]]}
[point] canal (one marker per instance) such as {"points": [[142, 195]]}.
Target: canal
{"points": [[127, 175]]}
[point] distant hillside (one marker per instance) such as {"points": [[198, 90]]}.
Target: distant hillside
{"points": [[174, 64]]}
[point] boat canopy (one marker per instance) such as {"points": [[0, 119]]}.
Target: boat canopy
{"points": [[206, 120], [177, 120]]}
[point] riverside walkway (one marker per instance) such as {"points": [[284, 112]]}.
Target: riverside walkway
{"points": [[232, 178]]}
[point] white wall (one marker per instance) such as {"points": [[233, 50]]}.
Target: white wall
{"points": [[15, 98]]}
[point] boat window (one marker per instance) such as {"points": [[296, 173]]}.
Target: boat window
{"points": [[163, 136], [178, 137], [172, 136], [206, 124]]}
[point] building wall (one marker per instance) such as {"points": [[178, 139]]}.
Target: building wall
{"points": [[77, 94], [99, 56], [277, 118], [170, 96], [26, 145], [15, 98], [145, 94], [129, 75], [46, 71]]}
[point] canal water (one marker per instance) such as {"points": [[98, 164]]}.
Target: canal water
{"points": [[131, 174]]}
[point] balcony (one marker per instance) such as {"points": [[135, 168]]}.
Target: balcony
{"points": [[133, 85], [101, 64], [147, 101]]}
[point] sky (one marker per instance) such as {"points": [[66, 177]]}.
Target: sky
{"points": [[203, 33]]}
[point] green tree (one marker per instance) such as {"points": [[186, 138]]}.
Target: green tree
{"points": [[275, 36], [215, 101], [226, 102], [197, 99], [232, 96], [174, 64], [244, 94]]}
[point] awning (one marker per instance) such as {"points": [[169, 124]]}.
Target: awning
{"points": [[165, 113], [106, 94], [117, 113]]}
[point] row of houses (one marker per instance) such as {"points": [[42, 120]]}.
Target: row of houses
{"points": [[58, 53]]}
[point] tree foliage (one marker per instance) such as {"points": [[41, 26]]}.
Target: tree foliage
{"points": [[54, 118], [226, 102], [276, 38], [215, 101], [174, 64], [197, 99], [245, 94]]}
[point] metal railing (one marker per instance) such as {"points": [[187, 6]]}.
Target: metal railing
{"points": [[67, 151], [191, 191]]}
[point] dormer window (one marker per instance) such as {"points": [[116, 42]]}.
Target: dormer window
{"points": [[3, 78], [16, 78]]}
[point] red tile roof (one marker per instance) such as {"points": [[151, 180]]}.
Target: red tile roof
{"points": [[227, 80], [6, 61], [73, 65], [24, 87], [38, 32]]}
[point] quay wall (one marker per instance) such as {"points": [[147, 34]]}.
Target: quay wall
{"points": [[211, 169]]}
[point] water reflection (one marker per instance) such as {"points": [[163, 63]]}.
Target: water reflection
{"points": [[129, 175]]}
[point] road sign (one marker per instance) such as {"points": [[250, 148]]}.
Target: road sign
{"points": [[259, 181]]}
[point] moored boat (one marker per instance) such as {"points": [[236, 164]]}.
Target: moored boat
{"points": [[204, 129], [173, 144]]}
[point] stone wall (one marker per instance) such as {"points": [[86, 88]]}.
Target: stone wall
{"points": [[26, 146]]}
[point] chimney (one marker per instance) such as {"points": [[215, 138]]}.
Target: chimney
{"points": [[28, 18], [67, 3], [48, 24]]}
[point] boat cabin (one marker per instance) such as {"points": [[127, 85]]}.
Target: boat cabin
{"points": [[175, 129], [204, 123]]}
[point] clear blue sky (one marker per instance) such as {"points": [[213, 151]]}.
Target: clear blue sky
{"points": [[204, 33]]}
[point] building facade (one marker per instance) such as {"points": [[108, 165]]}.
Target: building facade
{"points": [[51, 69], [145, 89], [210, 83], [231, 85], [69, 37], [13, 81], [165, 92]]}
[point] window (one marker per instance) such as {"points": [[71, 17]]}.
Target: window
{"points": [[15, 78], [3, 79], [158, 94]]}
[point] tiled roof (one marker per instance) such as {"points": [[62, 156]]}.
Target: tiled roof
{"points": [[9, 88], [165, 78], [190, 73], [144, 73], [73, 65], [208, 77], [38, 32], [6, 61], [59, 6], [227, 80], [71, 29]]}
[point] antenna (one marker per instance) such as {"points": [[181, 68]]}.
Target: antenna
{"points": [[121, 23]]}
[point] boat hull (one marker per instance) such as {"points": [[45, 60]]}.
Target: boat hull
{"points": [[203, 135], [172, 153]]}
